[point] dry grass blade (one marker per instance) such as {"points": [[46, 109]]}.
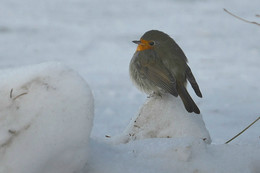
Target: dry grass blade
{"points": [[241, 18], [242, 131], [19, 96]]}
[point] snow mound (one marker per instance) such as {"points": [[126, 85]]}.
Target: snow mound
{"points": [[46, 114], [164, 117]]}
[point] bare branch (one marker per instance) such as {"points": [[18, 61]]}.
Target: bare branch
{"points": [[242, 18], [242, 131]]}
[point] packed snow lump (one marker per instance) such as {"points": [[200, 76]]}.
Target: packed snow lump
{"points": [[164, 117], [46, 115]]}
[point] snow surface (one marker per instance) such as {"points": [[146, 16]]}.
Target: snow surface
{"points": [[169, 155], [94, 38], [46, 114], [164, 117]]}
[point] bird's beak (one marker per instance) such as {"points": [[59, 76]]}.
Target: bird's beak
{"points": [[137, 42]]}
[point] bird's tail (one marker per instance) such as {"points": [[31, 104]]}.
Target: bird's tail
{"points": [[193, 82], [189, 104]]}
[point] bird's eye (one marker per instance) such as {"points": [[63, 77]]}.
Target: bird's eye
{"points": [[151, 43]]}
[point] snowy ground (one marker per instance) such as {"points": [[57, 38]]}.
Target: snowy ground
{"points": [[94, 38]]}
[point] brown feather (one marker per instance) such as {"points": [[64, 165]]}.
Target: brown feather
{"points": [[161, 77], [193, 82], [189, 104]]}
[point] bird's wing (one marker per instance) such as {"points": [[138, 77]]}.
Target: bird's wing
{"points": [[193, 82], [160, 76]]}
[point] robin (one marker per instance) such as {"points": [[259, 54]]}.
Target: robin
{"points": [[159, 66]]}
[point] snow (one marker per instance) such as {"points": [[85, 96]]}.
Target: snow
{"points": [[46, 115], [169, 155], [164, 117], [94, 38]]}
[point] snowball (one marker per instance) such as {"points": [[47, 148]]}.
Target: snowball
{"points": [[46, 114], [164, 117]]}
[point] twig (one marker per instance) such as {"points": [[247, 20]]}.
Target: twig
{"points": [[242, 131], [12, 131], [241, 18], [19, 95], [11, 93]]}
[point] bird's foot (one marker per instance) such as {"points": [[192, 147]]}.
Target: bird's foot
{"points": [[154, 94], [151, 95]]}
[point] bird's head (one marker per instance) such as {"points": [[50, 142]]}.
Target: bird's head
{"points": [[152, 40]]}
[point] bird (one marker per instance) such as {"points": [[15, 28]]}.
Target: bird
{"points": [[159, 66]]}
